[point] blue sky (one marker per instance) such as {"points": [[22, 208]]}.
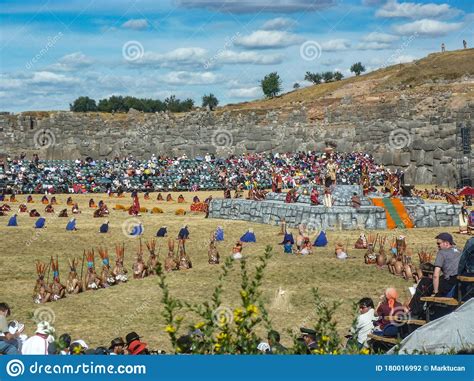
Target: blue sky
{"points": [[54, 51]]}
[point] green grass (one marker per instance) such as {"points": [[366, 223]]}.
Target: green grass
{"points": [[99, 316]]}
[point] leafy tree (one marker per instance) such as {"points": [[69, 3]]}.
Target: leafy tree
{"points": [[296, 86], [83, 104], [328, 76], [357, 68], [271, 85], [315, 78], [210, 100], [338, 75]]}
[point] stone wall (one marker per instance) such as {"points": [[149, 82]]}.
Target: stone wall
{"points": [[314, 217], [419, 135], [341, 216]]}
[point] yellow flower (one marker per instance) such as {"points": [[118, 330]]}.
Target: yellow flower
{"points": [[252, 310], [243, 293], [179, 319], [325, 338], [217, 347], [199, 325], [335, 352], [170, 329], [364, 351], [221, 336]]}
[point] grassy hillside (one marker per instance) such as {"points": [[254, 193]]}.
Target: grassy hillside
{"points": [[448, 66]]}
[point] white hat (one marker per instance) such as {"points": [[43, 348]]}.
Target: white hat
{"points": [[82, 343], [263, 347], [44, 328]]}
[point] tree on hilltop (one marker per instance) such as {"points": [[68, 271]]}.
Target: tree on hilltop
{"points": [[315, 78], [357, 68], [210, 100], [83, 104], [271, 85]]}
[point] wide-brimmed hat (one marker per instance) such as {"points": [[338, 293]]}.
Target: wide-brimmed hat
{"points": [[132, 336], [116, 342], [44, 328]]}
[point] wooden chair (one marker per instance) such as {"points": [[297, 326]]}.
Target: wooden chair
{"points": [[462, 280]]}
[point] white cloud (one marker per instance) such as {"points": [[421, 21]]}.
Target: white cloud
{"points": [[71, 62], [232, 57], [380, 37], [279, 23], [190, 78], [49, 78], [394, 9], [264, 39], [372, 46], [336, 45], [182, 56], [427, 27], [9, 82], [246, 92], [136, 24]]}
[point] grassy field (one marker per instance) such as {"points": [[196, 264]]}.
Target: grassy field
{"points": [[99, 316]]}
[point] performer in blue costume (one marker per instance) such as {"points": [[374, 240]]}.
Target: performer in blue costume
{"points": [[71, 225], [183, 233], [288, 238], [137, 230], [248, 237], [104, 228], [40, 222], [162, 232], [321, 240], [219, 234], [12, 221]]}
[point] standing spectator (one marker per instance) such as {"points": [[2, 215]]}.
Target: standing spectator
{"points": [[464, 44], [447, 262], [443, 47]]}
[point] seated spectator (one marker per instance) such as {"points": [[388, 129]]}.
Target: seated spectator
{"points": [[364, 324], [39, 343], [388, 306], [274, 343]]}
